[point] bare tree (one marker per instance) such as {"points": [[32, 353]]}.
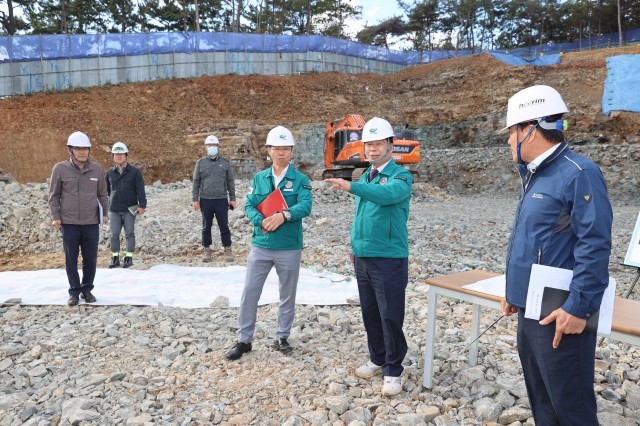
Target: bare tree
{"points": [[195, 2], [619, 24]]}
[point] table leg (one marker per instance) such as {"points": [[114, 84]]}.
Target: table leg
{"points": [[475, 330], [430, 338]]}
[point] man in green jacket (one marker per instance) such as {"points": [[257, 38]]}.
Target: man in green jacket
{"points": [[277, 241], [380, 251]]}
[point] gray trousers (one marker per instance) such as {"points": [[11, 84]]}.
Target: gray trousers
{"points": [[116, 222], [259, 264]]}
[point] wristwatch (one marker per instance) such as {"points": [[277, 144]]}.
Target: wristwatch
{"points": [[287, 215]]}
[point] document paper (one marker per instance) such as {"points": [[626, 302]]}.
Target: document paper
{"points": [[547, 276]]}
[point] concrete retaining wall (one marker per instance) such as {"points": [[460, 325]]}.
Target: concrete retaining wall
{"points": [[59, 74]]}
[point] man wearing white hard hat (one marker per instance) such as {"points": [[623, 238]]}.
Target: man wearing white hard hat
{"points": [[214, 193], [125, 186], [277, 241], [563, 220], [380, 251], [78, 203]]}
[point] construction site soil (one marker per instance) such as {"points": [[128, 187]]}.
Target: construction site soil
{"points": [[163, 121]]}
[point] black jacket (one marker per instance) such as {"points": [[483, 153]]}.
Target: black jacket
{"points": [[126, 189]]}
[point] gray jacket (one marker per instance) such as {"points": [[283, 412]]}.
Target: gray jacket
{"points": [[213, 179], [74, 193]]}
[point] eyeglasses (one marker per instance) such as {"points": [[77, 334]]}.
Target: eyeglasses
{"points": [[281, 148]]}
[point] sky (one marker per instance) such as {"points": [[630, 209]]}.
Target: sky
{"points": [[374, 12]]}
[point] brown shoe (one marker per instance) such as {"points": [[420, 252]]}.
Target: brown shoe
{"points": [[206, 254], [228, 254]]}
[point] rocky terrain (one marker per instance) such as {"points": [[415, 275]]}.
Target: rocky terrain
{"points": [[141, 365], [456, 103], [156, 365]]}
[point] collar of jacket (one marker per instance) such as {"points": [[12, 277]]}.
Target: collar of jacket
{"points": [[522, 168], [290, 175], [213, 159], [88, 166], [124, 169], [388, 167]]}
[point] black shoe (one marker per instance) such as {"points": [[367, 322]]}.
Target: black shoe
{"points": [[88, 297], [283, 346], [115, 262], [128, 262], [73, 301], [238, 350]]}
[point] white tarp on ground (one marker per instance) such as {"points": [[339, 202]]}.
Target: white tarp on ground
{"points": [[171, 285]]}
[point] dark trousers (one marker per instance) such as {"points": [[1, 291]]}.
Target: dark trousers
{"points": [[381, 286], [76, 239], [559, 381], [220, 209]]}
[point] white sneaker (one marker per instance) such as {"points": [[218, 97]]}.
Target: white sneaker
{"points": [[368, 370], [392, 386]]}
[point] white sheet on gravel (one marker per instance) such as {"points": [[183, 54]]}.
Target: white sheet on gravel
{"points": [[172, 285]]}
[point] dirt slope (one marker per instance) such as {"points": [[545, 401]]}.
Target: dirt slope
{"points": [[158, 119]]}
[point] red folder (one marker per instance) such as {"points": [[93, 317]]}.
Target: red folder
{"points": [[274, 203]]}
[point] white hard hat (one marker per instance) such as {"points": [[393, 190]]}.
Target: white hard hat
{"points": [[119, 148], [534, 103], [211, 140], [377, 129], [79, 140], [280, 136]]}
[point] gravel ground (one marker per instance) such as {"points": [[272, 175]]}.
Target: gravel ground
{"points": [[138, 365]]}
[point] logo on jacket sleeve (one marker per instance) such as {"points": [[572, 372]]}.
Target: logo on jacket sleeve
{"points": [[251, 190], [587, 197]]}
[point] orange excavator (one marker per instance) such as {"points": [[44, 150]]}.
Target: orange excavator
{"points": [[344, 150]]}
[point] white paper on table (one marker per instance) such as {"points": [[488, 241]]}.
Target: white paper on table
{"points": [[547, 276], [494, 286], [633, 252]]}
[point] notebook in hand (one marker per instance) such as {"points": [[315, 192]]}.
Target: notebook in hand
{"points": [[274, 203], [554, 298]]}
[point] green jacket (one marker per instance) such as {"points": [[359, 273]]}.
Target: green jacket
{"points": [[382, 210], [296, 190]]}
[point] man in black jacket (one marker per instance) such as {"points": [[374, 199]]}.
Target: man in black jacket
{"points": [[125, 186]]}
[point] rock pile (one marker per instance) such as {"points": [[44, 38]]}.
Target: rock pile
{"points": [[141, 365]]}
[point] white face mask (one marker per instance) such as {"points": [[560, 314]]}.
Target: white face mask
{"points": [[212, 150]]}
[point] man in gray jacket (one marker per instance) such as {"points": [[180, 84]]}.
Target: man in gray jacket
{"points": [[214, 193], [78, 202]]}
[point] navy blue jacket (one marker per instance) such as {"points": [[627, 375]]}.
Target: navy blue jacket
{"points": [[126, 189], [563, 220]]}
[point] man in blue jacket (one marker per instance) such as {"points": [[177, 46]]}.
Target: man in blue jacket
{"points": [[125, 186], [380, 250], [563, 219]]}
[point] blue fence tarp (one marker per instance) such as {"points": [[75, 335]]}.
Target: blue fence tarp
{"points": [[37, 47], [622, 85], [551, 59]]}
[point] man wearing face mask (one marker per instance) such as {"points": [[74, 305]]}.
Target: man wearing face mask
{"points": [[380, 251], [214, 193]]}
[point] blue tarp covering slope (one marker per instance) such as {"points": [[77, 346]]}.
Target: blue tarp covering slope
{"points": [[538, 61], [622, 86]]}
